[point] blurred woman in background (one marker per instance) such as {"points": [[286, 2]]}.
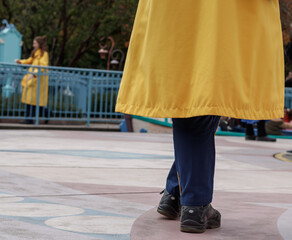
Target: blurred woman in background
{"points": [[40, 57]]}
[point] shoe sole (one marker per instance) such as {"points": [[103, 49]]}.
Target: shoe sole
{"points": [[166, 214], [200, 229], [213, 225], [266, 140], [191, 229]]}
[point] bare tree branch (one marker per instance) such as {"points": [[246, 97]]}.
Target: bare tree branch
{"points": [[84, 45], [8, 9]]}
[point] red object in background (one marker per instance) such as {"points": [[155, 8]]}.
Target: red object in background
{"points": [[287, 115]]}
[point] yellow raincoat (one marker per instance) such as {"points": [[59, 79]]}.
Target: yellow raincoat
{"points": [[29, 81], [205, 57]]}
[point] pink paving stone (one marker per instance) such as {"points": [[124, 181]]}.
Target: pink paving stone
{"points": [[242, 219]]}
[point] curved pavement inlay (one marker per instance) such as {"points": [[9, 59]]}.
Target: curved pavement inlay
{"points": [[93, 224], [91, 154], [7, 198], [37, 210]]}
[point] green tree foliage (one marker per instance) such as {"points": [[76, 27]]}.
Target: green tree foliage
{"points": [[73, 27], [286, 19]]}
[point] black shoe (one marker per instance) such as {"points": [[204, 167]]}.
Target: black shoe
{"points": [[169, 205], [266, 139], [198, 219], [26, 122], [250, 137]]}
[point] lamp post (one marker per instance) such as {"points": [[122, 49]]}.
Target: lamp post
{"points": [[114, 57], [118, 58], [103, 49]]}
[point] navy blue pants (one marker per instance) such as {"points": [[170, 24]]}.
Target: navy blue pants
{"points": [[192, 173], [31, 111]]}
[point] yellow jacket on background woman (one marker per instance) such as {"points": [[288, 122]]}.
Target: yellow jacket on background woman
{"points": [[29, 82]]}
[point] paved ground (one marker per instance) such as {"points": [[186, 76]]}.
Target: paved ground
{"points": [[105, 185], [109, 127]]}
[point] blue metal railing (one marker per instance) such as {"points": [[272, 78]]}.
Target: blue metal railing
{"points": [[74, 94]]}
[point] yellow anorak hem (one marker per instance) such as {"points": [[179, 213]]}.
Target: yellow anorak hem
{"points": [[250, 114], [34, 104]]}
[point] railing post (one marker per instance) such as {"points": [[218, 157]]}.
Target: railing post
{"points": [[37, 112], [89, 97]]}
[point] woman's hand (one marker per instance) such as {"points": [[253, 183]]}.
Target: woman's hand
{"points": [[17, 61], [29, 77]]}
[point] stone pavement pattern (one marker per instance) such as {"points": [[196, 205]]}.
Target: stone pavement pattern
{"points": [[101, 185]]}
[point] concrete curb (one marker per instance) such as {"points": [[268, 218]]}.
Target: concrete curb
{"points": [[93, 127]]}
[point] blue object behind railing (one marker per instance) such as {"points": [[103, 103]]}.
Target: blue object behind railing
{"points": [[74, 94], [288, 98]]}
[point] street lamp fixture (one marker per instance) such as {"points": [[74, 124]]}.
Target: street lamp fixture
{"points": [[118, 58], [114, 57], [114, 62], [103, 53]]}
